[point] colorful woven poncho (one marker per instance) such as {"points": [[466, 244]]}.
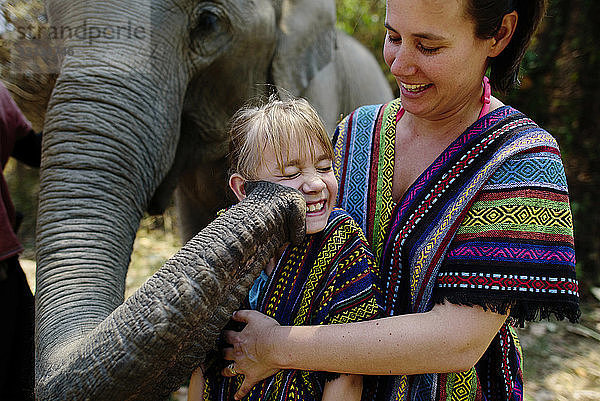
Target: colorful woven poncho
{"points": [[325, 280], [488, 223]]}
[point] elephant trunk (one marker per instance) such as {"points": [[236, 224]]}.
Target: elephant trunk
{"points": [[148, 346]]}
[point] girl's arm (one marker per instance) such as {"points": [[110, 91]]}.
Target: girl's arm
{"points": [[449, 338], [196, 387], [345, 387]]}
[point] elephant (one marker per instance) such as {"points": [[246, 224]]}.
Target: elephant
{"points": [[139, 111]]}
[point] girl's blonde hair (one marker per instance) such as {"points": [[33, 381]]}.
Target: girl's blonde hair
{"points": [[279, 124]]}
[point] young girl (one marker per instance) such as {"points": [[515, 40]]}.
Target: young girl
{"points": [[327, 279]]}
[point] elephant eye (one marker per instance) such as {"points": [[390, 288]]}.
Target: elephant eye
{"points": [[210, 31], [206, 23]]}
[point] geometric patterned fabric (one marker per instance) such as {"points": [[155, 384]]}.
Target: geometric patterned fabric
{"points": [[488, 224], [327, 279], [514, 247]]}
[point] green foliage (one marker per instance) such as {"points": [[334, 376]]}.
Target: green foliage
{"points": [[364, 20]]}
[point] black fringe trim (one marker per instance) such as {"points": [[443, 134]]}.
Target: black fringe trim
{"points": [[369, 381], [521, 310], [327, 376]]}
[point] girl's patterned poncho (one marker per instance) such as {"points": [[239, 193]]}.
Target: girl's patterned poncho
{"points": [[488, 223], [327, 279]]}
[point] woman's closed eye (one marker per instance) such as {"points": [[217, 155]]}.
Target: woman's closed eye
{"points": [[396, 39], [428, 49]]}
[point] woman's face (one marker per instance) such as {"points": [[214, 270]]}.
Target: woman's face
{"points": [[432, 50]]}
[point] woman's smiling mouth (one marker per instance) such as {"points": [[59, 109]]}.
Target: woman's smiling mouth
{"points": [[415, 88]]}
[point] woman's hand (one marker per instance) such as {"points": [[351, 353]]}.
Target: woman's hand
{"points": [[251, 352]]}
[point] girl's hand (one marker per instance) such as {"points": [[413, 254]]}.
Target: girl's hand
{"points": [[252, 349], [196, 387]]}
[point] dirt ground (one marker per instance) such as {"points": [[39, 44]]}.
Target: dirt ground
{"points": [[561, 360]]}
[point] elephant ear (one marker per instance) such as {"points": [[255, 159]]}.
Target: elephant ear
{"points": [[306, 42]]}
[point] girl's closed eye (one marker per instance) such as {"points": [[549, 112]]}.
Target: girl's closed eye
{"points": [[290, 173], [324, 166]]}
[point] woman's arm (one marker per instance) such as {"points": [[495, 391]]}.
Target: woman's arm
{"points": [[449, 338]]}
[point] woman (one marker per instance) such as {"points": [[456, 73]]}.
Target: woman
{"points": [[465, 204]]}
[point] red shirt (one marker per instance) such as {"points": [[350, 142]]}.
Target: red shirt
{"points": [[13, 126]]}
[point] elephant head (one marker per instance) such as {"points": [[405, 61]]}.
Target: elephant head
{"points": [[139, 107]]}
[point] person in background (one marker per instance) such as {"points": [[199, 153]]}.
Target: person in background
{"points": [[327, 279], [17, 139], [465, 204]]}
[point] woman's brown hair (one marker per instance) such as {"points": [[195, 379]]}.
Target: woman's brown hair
{"points": [[488, 15]]}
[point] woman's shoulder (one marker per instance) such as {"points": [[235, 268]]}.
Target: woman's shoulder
{"points": [[536, 156], [525, 132], [373, 110], [362, 119]]}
